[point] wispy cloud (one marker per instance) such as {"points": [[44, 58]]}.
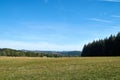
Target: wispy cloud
{"points": [[116, 16], [111, 0], [38, 45], [100, 20], [45, 1]]}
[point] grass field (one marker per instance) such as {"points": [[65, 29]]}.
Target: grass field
{"points": [[24, 68]]}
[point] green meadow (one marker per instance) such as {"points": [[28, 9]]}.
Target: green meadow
{"points": [[74, 68]]}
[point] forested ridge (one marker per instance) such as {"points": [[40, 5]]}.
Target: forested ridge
{"points": [[30, 53], [105, 47], [13, 52]]}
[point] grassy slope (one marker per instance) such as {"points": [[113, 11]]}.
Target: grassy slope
{"points": [[23, 68]]}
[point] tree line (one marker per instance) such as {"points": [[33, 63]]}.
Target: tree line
{"points": [[16, 53], [28, 53], [105, 47]]}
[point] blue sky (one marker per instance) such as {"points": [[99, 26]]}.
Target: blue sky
{"points": [[56, 24]]}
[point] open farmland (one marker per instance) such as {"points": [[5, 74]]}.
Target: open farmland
{"points": [[76, 68]]}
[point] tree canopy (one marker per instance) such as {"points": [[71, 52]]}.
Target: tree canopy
{"points": [[12, 52], [105, 47]]}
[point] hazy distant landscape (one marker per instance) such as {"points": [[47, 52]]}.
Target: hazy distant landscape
{"points": [[110, 46]]}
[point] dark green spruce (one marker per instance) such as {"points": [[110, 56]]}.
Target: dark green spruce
{"points": [[106, 47]]}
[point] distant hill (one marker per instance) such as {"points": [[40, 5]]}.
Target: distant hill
{"points": [[71, 53], [37, 53], [63, 53]]}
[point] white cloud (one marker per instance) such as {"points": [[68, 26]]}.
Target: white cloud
{"points": [[100, 20], [116, 16], [38, 46], [111, 0]]}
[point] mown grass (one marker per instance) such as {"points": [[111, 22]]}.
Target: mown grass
{"points": [[28, 68]]}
